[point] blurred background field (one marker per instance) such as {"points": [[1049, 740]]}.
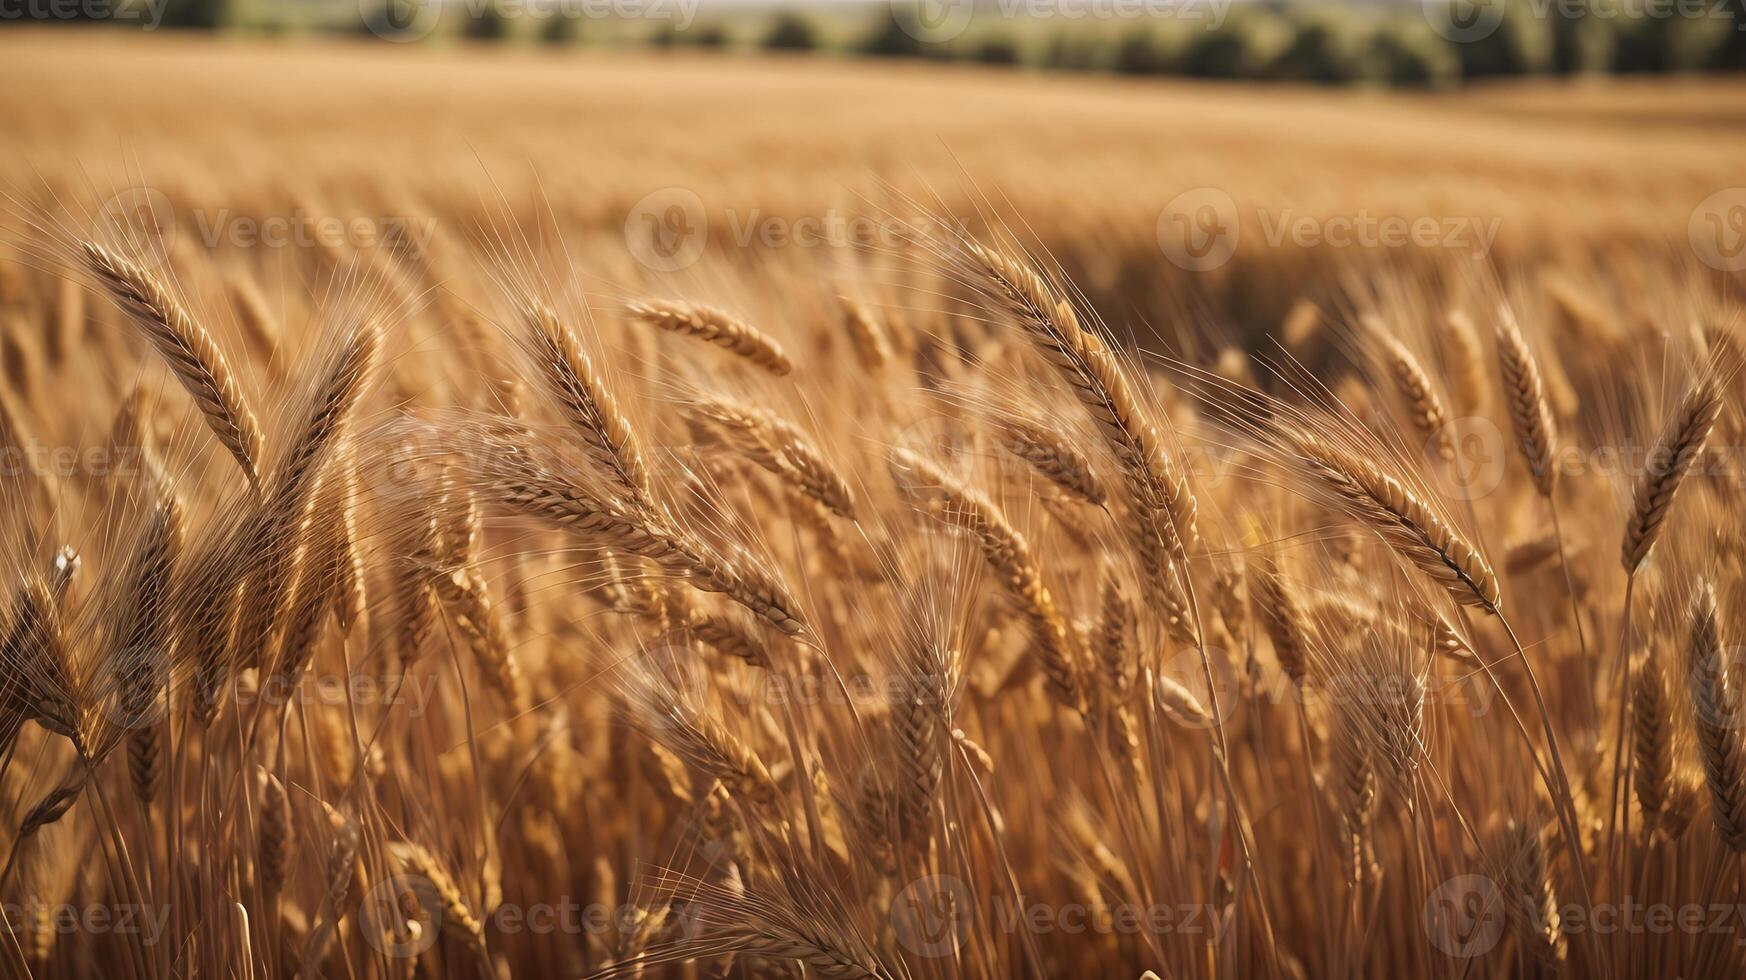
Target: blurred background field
{"points": [[1091, 166], [1366, 42], [285, 176]]}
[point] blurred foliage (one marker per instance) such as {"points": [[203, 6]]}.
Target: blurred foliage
{"points": [[998, 50], [560, 29], [709, 36], [1351, 43], [791, 32], [488, 24]]}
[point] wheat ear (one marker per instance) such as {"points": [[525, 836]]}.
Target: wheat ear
{"points": [[777, 446], [1282, 619], [275, 535], [1428, 412], [188, 349], [568, 377], [1681, 442], [868, 338], [1525, 394], [1716, 719], [274, 835], [1466, 363], [1052, 458], [1531, 902], [1401, 518], [1009, 555], [143, 637], [510, 477], [713, 326], [1652, 737], [1164, 508], [457, 919], [917, 728]]}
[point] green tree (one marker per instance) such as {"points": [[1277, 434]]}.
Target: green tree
{"points": [[1320, 52], [998, 50], [195, 13], [1068, 51], [790, 32], [1410, 59], [1731, 53], [1645, 44], [488, 25], [561, 30], [889, 38], [1139, 54], [714, 37], [1518, 45], [1216, 54]]}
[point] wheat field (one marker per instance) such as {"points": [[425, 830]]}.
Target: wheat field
{"points": [[484, 514]]}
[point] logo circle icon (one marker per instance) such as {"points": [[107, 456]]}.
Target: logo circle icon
{"points": [[131, 712], [942, 441], [1463, 21], [931, 916], [401, 916], [1480, 457], [400, 21], [138, 223], [1185, 668], [676, 691], [1464, 916], [933, 21], [667, 229], [1198, 229], [1717, 230]]}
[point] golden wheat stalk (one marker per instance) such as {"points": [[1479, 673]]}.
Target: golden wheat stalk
{"points": [[780, 448], [1164, 507], [1652, 737], [1716, 718], [457, 919], [188, 349], [567, 375], [865, 334], [275, 835], [1052, 458], [510, 477], [143, 638], [1282, 619], [1681, 443], [716, 327], [1525, 394], [1530, 899], [1426, 408], [1009, 555], [1377, 499]]}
